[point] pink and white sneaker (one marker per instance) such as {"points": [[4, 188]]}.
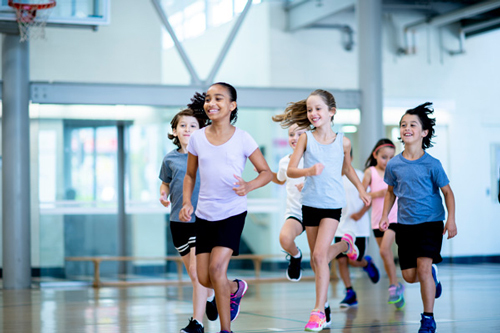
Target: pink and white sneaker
{"points": [[317, 321], [352, 251]]}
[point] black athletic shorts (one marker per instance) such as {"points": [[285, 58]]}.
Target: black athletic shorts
{"points": [[312, 216], [378, 233], [225, 233], [419, 240], [183, 236]]}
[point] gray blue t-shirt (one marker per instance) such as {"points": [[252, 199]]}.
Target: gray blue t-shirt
{"points": [[325, 190], [173, 170], [416, 185]]}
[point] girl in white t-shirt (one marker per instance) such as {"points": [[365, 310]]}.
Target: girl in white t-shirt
{"points": [[220, 151], [293, 225]]}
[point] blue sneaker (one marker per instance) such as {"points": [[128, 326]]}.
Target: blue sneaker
{"points": [[372, 270], [427, 325], [439, 287], [236, 298], [349, 299]]}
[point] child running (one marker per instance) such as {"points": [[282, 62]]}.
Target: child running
{"points": [[354, 221], [293, 225], [415, 177], [220, 151], [172, 174], [374, 178], [326, 156]]}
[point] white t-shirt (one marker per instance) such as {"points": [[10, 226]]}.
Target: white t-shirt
{"points": [[361, 227], [293, 195], [217, 166]]}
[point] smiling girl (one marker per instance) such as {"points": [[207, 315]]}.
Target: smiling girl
{"points": [[220, 152], [375, 165], [326, 156]]}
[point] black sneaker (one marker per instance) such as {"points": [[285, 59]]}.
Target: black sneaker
{"points": [[328, 316], [211, 310], [193, 327], [294, 271]]}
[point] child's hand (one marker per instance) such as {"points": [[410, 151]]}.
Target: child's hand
{"points": [[163, 199], [384, 224], [186, 212], [242, 187], [356, 216], [451, 227], [300, 186], [367, 199], [316, 169]]}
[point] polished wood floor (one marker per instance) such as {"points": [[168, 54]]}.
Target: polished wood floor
{"points": [[470, 303]]}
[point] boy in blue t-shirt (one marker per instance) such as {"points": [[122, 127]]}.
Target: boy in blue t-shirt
{"points": [[415, 178]]}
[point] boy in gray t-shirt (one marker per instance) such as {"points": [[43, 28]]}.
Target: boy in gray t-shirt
{"points": [[173, 170]]}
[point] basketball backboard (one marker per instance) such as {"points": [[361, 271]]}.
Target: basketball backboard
{"points": [[66, 13]]}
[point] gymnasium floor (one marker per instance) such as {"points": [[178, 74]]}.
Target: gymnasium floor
{"points": [[470, 303]]}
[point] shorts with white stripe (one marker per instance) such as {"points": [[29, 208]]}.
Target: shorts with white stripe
{"points": [[183, 236]]}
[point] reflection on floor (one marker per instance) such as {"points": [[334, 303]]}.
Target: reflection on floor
{"points": [[470, 303]]}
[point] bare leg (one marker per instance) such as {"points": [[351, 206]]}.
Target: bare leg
{"points": [[344, 271], [427, 284], [385, 244], [200, 293], [219, 261], [290, 230], [319, 239]]}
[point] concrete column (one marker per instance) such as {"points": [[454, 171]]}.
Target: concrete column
{"points": [[16, 241], [123, 232], [371, 128]]}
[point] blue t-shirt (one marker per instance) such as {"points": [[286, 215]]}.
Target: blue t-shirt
{"points": [[173, 170], [416, 185]]}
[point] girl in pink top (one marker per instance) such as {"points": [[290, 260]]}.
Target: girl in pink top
{"points": [[375, 165]]}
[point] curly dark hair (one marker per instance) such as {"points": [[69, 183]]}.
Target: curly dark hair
{"points": [[422, 112], [175, 121]]}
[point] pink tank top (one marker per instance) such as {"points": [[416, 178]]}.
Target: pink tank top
{"points": [[378, 184]]}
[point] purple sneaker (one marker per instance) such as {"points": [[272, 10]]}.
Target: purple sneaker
{"points": [[236, 298]]}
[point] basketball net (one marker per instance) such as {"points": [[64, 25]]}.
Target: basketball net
{"points": [[31, 16]]}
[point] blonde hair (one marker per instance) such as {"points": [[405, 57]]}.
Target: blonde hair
{"points": [[296, 113]]}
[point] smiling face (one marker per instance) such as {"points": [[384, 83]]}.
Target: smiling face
{"points": [[411, 131], [318, 112], [218, 104], [185, 127], [383, 155], [294, 133]]}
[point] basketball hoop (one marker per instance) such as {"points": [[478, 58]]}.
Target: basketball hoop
{"points": [[31, 16]]}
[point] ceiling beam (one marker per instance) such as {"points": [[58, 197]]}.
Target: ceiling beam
{"points": [[308, 13]]}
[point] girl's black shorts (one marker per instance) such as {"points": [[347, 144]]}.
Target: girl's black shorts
{"points": [[225, 233]]}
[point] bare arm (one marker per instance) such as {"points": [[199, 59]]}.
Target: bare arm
{"points": [[188, 187], [449, 199], [164, 192], [264, 177], [276, 180], [389, 200], [293, 171]]}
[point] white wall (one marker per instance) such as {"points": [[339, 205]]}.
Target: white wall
{"points": [[126, 51], [465, 86], [464, 89]]}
